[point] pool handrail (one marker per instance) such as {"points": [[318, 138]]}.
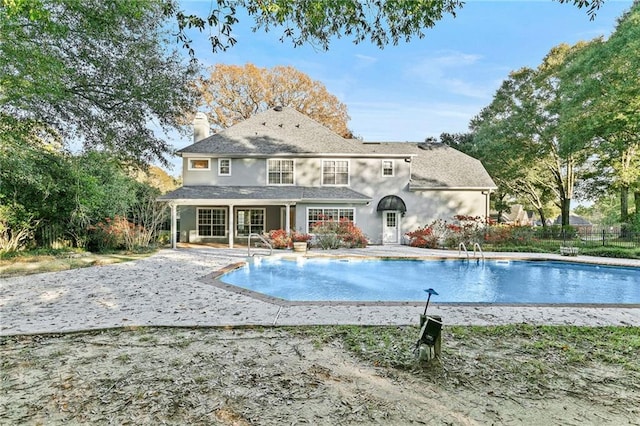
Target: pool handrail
{"points": [[462, 247], [477, 245], [261, 239]]}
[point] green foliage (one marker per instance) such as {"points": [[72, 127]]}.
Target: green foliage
{"points": [[381, 22], [571, 123], [16, 227], [601, 89], [616, 252], [94, 71], [37, 252], [392, 346], [45, 191], [513, 238]]}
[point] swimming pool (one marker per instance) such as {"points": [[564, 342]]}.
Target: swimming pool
{"points": [[456, 281]]}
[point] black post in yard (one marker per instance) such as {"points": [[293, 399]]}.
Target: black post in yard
{"points": [[430, 291], [603, 238]]}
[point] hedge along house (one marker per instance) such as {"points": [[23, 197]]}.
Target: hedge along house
{"points": [[282, 170]]}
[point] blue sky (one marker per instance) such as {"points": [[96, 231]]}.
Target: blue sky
{"points": [[428, 86]]}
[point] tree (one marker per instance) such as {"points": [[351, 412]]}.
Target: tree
{"points": [[233, 93], [463, 142], [157, 178], [601, 88], [520, 140], [379, 21], [97, 71]]}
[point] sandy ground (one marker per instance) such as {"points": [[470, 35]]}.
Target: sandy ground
{"points": [[215, 370], [274, 377]]}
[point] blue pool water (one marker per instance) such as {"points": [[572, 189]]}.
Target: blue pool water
{"points": [[489, 281]]}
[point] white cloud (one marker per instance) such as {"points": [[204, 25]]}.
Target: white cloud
{"points": [[365, 60], [449, 71]]}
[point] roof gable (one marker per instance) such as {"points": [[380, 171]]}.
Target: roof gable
{"points": [[275, 131]]}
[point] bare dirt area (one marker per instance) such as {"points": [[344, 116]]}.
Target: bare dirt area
{"points": [[319, 376]]}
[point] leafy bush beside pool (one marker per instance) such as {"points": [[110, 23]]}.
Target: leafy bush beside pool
{"points": [[326, 234], [331, 234], [500, 237]]}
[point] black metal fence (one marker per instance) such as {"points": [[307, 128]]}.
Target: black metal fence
{"points": [[592, 237]]}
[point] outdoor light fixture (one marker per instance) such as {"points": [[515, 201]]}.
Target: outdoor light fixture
{"points": [[430, 327], [429, 291]]}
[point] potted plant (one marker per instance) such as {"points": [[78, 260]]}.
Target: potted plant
{"points": [[300, 241]]}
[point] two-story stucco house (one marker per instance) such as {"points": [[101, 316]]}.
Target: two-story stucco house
{"points": [[281, 169]]}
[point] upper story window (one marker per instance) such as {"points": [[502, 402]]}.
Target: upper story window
{"points": [[387, 168], [199, 164], [224, 166], [280, 172], [335, 172]]}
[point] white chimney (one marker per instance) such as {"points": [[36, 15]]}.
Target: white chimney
{"points": [[200, 127]]}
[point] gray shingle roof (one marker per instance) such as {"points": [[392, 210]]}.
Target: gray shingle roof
{"points": [[288, 132], [280, 193], [436, 165], [274, 132]]}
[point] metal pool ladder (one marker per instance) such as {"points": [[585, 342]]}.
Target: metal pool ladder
{"points": [[477, 246], [262, 239], [477, 250], [461, 248]]}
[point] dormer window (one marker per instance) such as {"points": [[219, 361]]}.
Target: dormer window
{"points": [[200, 164]]}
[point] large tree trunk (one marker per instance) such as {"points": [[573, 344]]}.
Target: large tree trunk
{"points": [[624, 204], [566, 211], [543, 219], [636, 202]]}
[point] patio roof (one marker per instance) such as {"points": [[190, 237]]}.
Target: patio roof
{"points": [[269, 194]]}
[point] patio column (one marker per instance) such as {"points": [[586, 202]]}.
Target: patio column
{"points": [[231, 225], [287, 218], [174, 225], [487, 203]]}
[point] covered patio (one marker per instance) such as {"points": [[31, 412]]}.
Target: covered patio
{"points": [[228, 213]]}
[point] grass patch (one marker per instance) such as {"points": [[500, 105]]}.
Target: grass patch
{"points": [[556, 345], [27, 263]]}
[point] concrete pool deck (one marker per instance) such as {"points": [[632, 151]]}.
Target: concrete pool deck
{"points": [[174, 288]]}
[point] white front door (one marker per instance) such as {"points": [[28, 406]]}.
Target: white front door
{"points": [[390, 227]]}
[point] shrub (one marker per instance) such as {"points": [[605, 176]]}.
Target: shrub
{"points": [[423, 238], [618, 252], [16, 227], [350, 235], [280, 239], [117, 233], [332, 235]]}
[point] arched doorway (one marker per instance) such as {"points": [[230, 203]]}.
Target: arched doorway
{"points": [[392, 208]]}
